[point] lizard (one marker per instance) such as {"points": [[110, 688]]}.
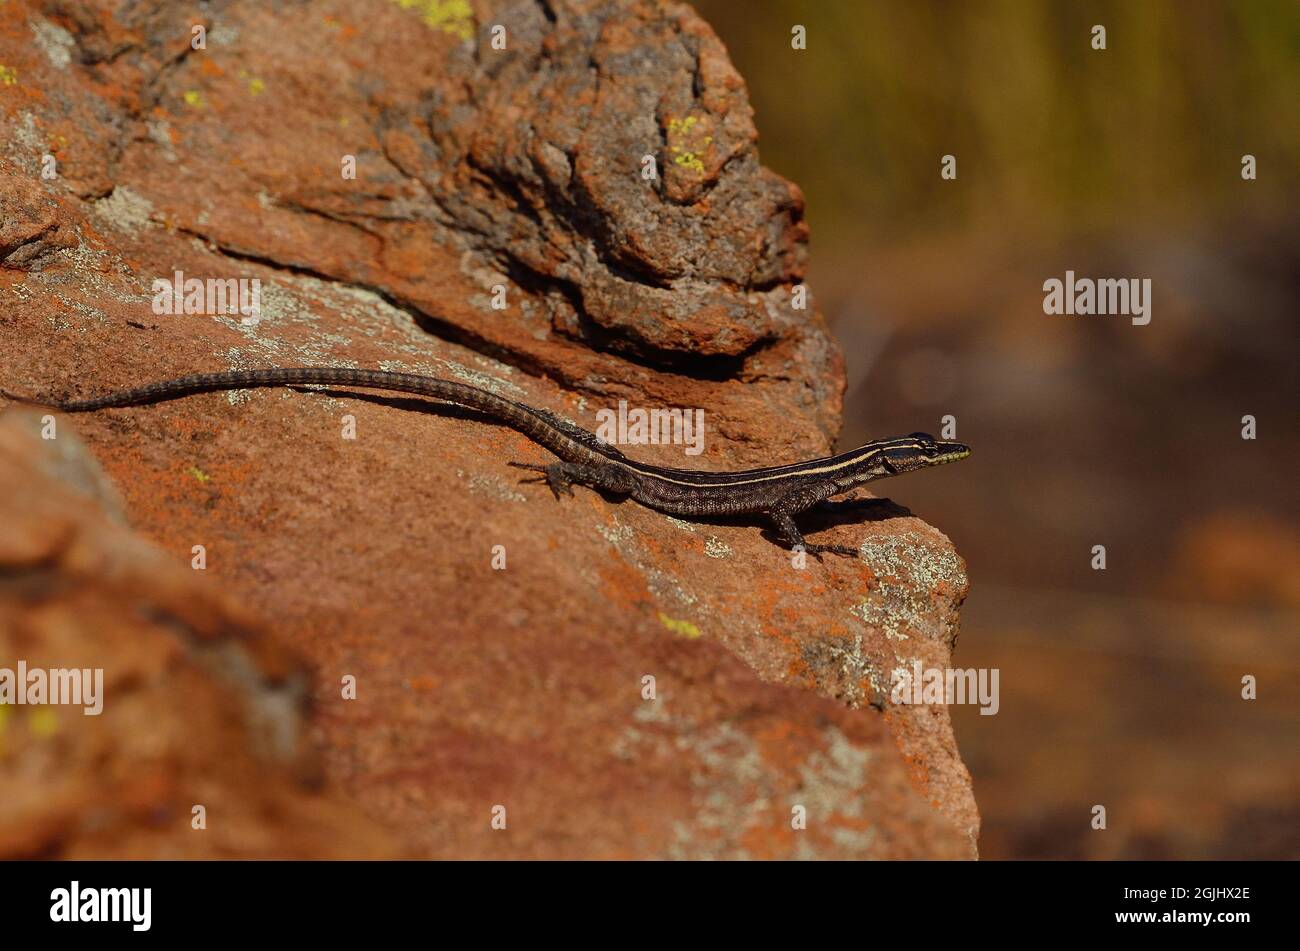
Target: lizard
{"points": [[777, 493]]}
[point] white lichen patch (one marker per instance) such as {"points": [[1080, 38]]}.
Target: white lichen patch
{"points": [[493, 487], [160, 134], [616, 535], [904, 664], [237, 360], [877, 614], [368, 314], [86, 269], [223, 36], [124, 210], [908, 573], [483, 381], [736, 789], [848, 664], [832, 784], [715, 547], [82, 308], [680, 523], [20, 291], [249, 332], [908, 557], [24, 144], [731, 793], [282, 306], [55, 42], [58, 323], [423, 367], [663, 586]]}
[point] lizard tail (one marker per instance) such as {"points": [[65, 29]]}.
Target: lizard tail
{"points": [[26, 400]]}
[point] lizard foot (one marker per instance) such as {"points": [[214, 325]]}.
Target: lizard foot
{"points": [[553, 475]]}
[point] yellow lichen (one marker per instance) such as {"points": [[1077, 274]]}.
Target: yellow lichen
{"points": [[686, 153], [255, 85], [193, 98], [454, 17], [199, 474], [681, 628], [8, 75]]}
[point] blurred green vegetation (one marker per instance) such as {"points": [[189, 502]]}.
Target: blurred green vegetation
{"points": [[1052, 137]]}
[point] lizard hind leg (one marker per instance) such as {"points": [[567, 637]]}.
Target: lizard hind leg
{"points": [[562, 476]]}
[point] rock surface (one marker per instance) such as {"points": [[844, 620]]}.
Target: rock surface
{"points": [[512, 175], [197, 707]]}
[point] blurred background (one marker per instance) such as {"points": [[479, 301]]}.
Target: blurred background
{"points": [[1119, 687]]}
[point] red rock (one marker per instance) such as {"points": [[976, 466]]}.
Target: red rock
{"points": [[372, 557], [197, 705]]}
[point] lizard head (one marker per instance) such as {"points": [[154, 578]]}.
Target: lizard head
{"points": [[890, 457], [920, 450]]}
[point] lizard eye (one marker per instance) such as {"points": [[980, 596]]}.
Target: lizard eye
{"points": [[925, 442]]}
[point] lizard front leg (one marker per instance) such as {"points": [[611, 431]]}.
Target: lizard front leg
{"points": [[782, 515]]}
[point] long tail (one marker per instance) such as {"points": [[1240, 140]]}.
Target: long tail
{"points": [[566, 440], [330, 376]]}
